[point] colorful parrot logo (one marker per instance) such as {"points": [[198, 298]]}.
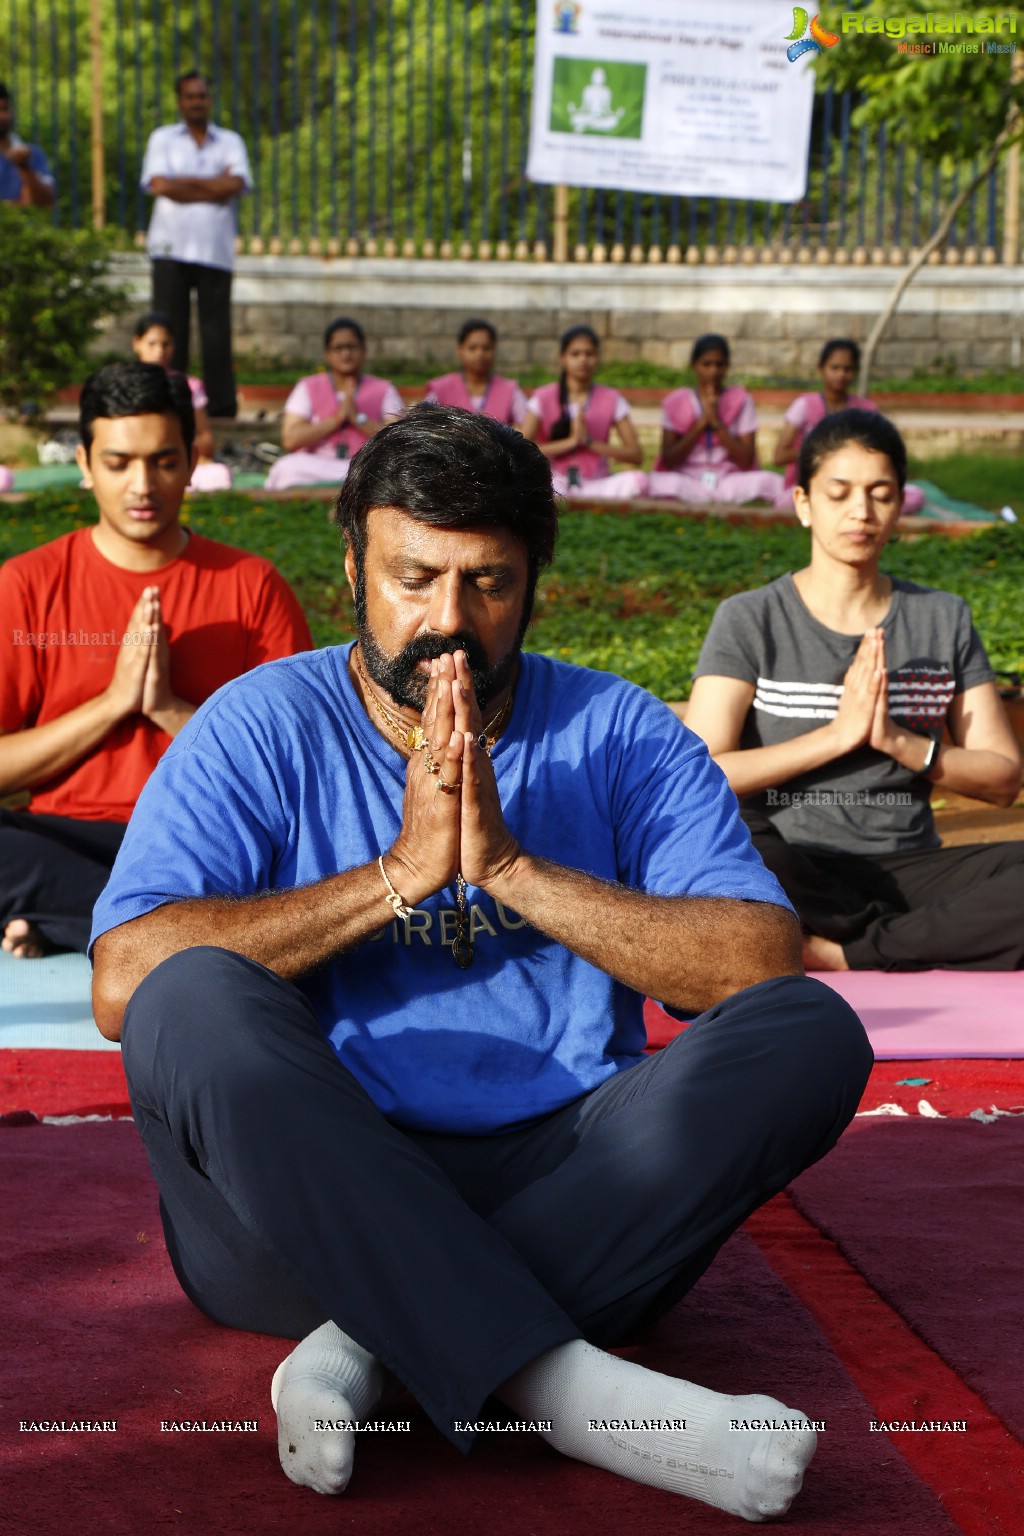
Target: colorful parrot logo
{"points": [[818, 41]]}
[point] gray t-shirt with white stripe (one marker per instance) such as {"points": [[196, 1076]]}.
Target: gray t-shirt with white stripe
{"points": [[864, 802]]}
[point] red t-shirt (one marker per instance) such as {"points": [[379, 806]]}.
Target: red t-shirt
{"points": [[63, 610]]}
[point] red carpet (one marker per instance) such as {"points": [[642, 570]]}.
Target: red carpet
{"points": [[62, 1083], [932, 1215], [101, 1331], [979, 1475], [92, 1083]]}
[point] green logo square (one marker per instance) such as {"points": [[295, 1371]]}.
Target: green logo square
{"points": [[598, 97]]}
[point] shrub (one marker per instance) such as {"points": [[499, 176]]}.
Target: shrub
{"points": [[54, 293]]}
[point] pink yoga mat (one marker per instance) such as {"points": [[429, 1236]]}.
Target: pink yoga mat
{"points": [[931, 1014], [916, 1016]]}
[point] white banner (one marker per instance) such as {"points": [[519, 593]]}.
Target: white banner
{"points": [[671, 96]]}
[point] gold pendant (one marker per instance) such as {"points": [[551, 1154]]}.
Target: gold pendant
{"points": [[415, 739], [462, 953]]}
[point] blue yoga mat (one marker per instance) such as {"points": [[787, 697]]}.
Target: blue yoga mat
{"points": [[45, 1004]]}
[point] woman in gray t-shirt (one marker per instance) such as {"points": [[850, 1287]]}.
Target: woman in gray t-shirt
{"points": [[833, 699]]}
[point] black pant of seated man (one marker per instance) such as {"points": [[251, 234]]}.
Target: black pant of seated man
{"points": [[52, 869], [288, 1198]]}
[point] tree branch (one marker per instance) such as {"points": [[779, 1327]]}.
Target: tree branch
{"points": [[1010, 130]]}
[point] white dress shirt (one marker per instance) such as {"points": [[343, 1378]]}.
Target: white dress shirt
{"points": [[197, 232]]}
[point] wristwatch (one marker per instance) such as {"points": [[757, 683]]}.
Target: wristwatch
{"points": [[931, 755]]}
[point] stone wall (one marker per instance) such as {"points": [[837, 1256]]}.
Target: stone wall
{"points": [[775, 316]]}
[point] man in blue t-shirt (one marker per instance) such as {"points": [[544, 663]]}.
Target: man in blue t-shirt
{"points": [[376, 945], [24, 174]]}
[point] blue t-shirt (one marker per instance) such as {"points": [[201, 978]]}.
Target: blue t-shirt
{"points": [[10, 176], [281, 779]]}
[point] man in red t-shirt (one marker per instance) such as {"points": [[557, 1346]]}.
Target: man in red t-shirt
{"points": [[112, 636]]}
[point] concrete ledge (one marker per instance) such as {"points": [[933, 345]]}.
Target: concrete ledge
{"points": [[777, 315]]}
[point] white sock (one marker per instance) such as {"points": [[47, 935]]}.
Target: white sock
{"points": [[755, 1473], [326, 1378]]}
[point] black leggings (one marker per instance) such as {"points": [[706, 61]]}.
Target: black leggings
{"points": [[933, 908]]}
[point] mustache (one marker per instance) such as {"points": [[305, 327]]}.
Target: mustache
{"points": [[431, 645]]}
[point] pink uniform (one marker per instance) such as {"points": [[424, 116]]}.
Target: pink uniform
{"points": [[502, 399], [708, 474], [210, 476], [315, 399], [806, 412], [198, 393], [603, 407]]}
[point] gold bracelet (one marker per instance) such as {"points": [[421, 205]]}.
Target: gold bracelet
{"points": [[393, 899]]}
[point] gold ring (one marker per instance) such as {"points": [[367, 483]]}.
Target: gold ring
{"points": [[446, 788], [429, 764]]}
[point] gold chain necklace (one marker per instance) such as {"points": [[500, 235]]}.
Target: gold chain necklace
{"points": [[412, 737], [414, 740]]}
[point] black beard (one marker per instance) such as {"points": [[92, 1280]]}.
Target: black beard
{"points": [[400, 676]]}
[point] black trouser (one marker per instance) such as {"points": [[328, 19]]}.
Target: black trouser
{"points": [[287, 1197], [934, 908], [173, 282], [52, 869]]}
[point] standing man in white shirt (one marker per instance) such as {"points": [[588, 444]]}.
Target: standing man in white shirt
{"points": [[197, 172]]}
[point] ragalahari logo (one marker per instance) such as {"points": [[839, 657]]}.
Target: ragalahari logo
{"points": [[818, 41]]}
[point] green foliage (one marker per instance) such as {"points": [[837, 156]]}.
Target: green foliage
{"points": [[916, 95], [55, 292], [632, 595]]}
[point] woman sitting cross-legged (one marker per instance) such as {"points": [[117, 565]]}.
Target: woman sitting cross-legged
{"points": [[835, 699], [708, 438], [329, 416], [580, 425]]}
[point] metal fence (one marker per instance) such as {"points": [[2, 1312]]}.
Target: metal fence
{"points": [[400, 127]]}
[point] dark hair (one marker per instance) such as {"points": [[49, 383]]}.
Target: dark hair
{"points": [[469, 326], [709, 342], [190, 74], [839, 344], [343, 323], [5, 94], [868, 428], [151, 318], [451, 468], [563, 426], [135, 389]]}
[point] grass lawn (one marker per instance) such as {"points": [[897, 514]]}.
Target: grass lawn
{"points": [[632, 595], [990, 480]]}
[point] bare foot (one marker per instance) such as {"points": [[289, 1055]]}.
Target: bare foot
{"points": [[23, 940], [822, 954]]}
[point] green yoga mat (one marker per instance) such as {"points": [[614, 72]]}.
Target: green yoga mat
{"points": [[47, 477], [947, 509]]}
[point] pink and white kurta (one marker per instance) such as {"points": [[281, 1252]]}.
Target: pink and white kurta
{"points": [[315, 399], [602, 409], [708, 473], [502, 399]]}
